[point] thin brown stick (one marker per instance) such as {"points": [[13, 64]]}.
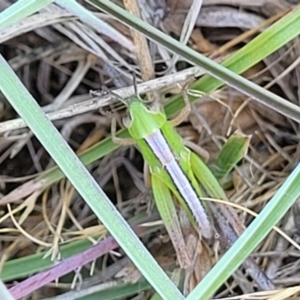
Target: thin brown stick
{"points": [[143, 53]]}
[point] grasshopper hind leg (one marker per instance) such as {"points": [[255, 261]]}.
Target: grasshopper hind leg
{"points": [[185, 111]]}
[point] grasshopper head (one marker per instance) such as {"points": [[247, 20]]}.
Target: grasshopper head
{"points": [[143, 121]]}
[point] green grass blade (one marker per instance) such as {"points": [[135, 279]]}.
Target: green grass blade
{"points": [[70, 164], [291, 22], [87, 157], [27, 265], [19, 10], [253, 235], [231, 153]]}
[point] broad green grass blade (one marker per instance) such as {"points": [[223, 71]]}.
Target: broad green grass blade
{"points": [[20, 10], [291, 24], [231, 153], [253, 235], [70, 164]]}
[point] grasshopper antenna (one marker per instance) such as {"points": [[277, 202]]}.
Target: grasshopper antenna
{"points": [[134, 84]]}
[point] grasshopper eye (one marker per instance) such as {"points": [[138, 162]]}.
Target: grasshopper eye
{"points": [[127, 121]]}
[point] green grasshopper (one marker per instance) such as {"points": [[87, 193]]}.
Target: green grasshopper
{"points": [[177, 172]]}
